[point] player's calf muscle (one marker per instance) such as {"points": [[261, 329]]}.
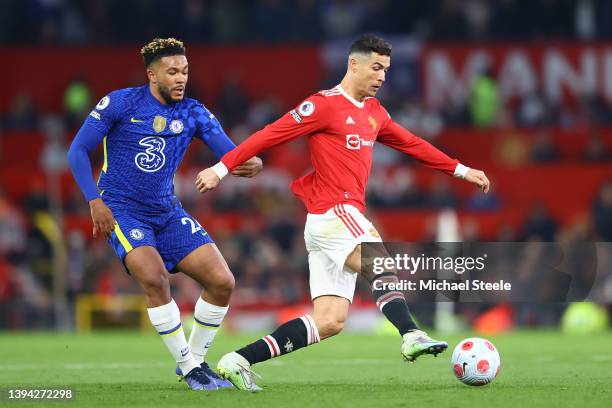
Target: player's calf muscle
{"points": [[329, 314], [328, 326]]}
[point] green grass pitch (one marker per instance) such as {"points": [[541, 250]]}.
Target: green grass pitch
{"points": [[130, 369]]}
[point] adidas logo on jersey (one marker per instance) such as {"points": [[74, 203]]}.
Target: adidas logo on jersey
{"points": [[350, 121]]}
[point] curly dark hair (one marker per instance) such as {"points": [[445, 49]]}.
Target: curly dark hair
{"points": [[161, 47], [368, 43]]}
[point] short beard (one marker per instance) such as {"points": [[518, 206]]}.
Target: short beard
{"points": [[165, 94]]}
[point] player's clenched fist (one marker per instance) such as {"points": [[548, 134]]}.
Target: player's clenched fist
{"points": [[206, 180], [479, 178], [102, 218]]}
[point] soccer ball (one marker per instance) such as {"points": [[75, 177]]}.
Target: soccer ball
{"points": [[475, 361]]}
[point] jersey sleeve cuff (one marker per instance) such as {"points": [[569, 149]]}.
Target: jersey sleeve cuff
{"points": [[220, 170], [461, 170]]}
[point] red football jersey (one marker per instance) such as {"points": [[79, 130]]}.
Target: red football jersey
{"points": [[341, 134]]}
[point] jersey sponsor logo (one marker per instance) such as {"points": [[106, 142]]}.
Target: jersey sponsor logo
{"points": [[367, 143], [159, 124], [176, 126], [153, 158], [296, 116], [373, 123], [104, 102], [136, 234], [307, 108], [134, 120], [349, 121], [94, 115], [353, 142]]}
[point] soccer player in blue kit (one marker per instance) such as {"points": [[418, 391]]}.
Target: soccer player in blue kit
{"points": [[145, 132]]}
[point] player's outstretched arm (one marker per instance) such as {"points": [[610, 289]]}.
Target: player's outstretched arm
{"points": [[396, 137], [213, 135], [308, 118]]}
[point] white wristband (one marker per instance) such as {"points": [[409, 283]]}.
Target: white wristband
{"points": [[461, 170], [220, 170]]}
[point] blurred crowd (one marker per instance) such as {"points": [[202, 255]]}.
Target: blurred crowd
{"points": [[230, 21]]}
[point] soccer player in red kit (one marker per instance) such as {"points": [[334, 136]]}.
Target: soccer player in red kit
{"points": [[341, 124]]}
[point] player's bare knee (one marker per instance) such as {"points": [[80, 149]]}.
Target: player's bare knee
{"points": [[225, 284]]}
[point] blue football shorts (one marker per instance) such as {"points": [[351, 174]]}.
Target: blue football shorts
{"points": [[175, 234]]}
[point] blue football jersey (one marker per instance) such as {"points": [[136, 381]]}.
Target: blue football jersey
{"points": [[145, 142]]}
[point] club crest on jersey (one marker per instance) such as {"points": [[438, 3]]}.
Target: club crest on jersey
{"points": [[136, 234], [159, 124], [306, 108], [353, 142], [176, 126], [103, 103], [373, 123]]}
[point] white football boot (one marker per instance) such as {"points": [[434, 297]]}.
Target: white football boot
{"points": [[237, 370], [416, 343]]}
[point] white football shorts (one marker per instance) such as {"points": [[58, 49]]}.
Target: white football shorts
{"points": [[330, 238]]}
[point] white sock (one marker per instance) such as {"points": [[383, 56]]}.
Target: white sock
{"points": [[167, 321], [206, 321]]}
